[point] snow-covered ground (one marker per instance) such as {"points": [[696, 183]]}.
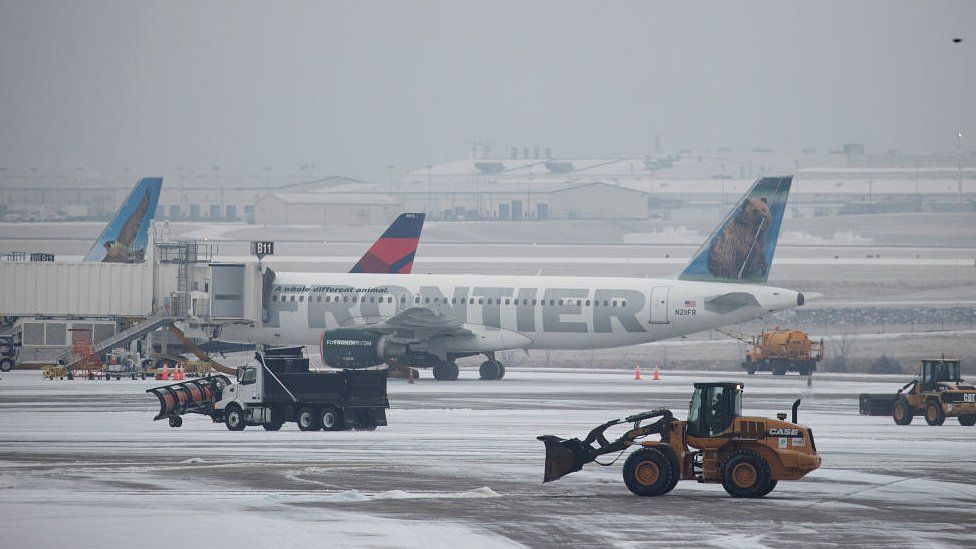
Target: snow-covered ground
{"points": [[83, 464]]}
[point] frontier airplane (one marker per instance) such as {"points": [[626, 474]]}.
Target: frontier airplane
{"points": [[422, 320]]}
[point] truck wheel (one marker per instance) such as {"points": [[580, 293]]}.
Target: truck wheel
{"points": [[6, 365], [272, 426], [175, 422], [967, 421], [649, 472], [234, 418], [902, 411], [745, 474], [332, 419], [307, 420], [934, 414]]}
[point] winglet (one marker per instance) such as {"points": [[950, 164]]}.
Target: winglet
{"points": [[395, 250], [741, 248], [126, 236]]}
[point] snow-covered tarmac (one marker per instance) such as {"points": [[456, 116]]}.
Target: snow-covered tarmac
{"points": [[82, 464]]}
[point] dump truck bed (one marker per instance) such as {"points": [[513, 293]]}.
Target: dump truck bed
{"points": [[349, 388]]}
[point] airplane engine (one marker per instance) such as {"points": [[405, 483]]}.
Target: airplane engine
{"points": [[350, 348]]}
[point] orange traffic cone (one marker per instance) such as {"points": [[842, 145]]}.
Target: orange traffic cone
{"points": [[410, 375], [637, 372], [657, 374], [165, 374]]}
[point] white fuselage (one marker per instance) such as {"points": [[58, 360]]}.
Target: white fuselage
{"points": [[507, 312]]}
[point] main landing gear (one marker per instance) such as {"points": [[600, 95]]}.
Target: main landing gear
{"points": [[446, 371], [492, 369]]}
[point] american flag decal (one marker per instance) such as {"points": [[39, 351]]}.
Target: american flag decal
{"points": [[691, 303]]}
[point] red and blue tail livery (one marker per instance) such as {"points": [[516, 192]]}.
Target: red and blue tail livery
{"points": [[394, 251]]}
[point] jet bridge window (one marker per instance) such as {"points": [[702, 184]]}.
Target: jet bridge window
{"points": [[481, 301], [587, 302]]}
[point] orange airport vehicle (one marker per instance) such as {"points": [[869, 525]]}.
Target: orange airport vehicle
{"points": [[748, 455], [780, 351], [937, 392]]}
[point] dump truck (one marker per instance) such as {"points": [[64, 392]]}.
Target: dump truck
{"points": [[716, 444], [780, 351], [937, 392], [277, 388], [8, 352]]}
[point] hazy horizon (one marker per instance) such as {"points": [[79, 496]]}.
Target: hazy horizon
{"points": [[356, 87]]}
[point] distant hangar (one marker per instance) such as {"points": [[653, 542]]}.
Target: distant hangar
{"points": [[374, 204]]}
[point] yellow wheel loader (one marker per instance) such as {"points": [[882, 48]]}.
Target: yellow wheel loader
{"points": [[748, 455]]}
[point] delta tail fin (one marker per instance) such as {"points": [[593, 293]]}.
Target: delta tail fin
{"points": [[395, 250], [741, 248], [126, 236]]}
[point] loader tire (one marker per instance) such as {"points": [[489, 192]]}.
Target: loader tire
{"points": [[650, 472], [332, 419], [745, 474], [307, 420], [234, 418], [901, 412], [934, 414], [769, 488], [967, 421]]}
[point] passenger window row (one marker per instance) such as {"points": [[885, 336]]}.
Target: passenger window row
{"points": [[454, 300]]}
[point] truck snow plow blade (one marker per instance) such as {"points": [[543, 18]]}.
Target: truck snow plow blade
{"points": [[191, 396], [563, 456]]}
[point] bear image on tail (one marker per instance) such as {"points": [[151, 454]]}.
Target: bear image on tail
{"points": [[738, 251]]}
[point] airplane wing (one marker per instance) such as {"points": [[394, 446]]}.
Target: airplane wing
{"points": [[417, 324]]}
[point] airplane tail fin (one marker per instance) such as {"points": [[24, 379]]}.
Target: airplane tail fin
{"points": [[395, 250], [126, 236], [741, 248]]}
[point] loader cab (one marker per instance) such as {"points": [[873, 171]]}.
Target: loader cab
{"points": [[713, 407], [939, 370]]}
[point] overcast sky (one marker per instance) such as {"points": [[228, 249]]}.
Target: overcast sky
{"points": [[353, 86]]}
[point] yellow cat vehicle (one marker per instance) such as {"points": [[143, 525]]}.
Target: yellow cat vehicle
{"points": [[748, 455], [936, 393]]}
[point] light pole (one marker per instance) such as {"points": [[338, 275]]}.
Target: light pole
{"points": [[428, 189], [959, 164]]}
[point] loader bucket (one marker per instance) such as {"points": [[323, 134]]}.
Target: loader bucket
{"points": [[195, 395], [563, 456]]}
